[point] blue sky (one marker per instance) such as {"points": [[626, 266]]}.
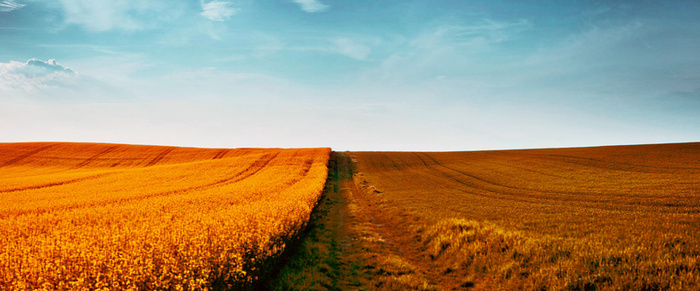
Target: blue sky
{"points": [[352, 75]]}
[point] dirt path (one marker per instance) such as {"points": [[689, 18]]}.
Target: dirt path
{"points": [[353, 242]]}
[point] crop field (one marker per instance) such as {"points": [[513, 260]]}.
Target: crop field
{"points": [[106, 216], [605, 218]]}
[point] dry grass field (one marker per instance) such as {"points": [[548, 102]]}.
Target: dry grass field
{"points": [[601, 218], [122, 217]]}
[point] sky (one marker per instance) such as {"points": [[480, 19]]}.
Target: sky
{"points": [[350, 74]]}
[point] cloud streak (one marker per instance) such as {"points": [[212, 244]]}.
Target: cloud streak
{"points": [[217, 10], [312, 6], [10, 5], [480, 35]]}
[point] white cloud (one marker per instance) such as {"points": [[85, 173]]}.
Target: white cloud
{"points": [[351, 48], [35, 74], [9, 5], [103, 15], [311, 6], [217, 10], [36, 67]]}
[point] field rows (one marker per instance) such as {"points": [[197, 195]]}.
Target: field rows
{"points": [[126, 217]]}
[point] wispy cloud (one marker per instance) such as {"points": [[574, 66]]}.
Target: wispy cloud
{"points": [[625, 62], [448, 49], [351, 48], [84, 47], [311, 6], [34, 74], [484, 33], [356, 48], [217, 10], [103, 15], [9, 5]]}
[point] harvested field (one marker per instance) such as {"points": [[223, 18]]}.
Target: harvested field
{"points": [[600, 218], [625, 217], [105, 216]]}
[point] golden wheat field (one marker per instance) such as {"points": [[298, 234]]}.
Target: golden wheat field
{"points": [[86, 216], [600, 218]]}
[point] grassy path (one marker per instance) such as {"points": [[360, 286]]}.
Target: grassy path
{"points": [[349, 246], [315, 264]]}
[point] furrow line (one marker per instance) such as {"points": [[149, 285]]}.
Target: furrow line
{"points": [[26, 155], [93, 158], [159, 157]]}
